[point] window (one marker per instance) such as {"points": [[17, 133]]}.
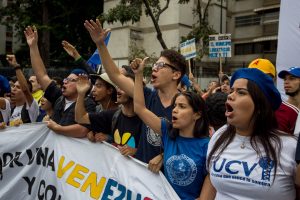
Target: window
{"points": [[256, 47], [248, 20]]}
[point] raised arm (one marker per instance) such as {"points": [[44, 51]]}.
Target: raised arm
{"points": [[35, 57], [195, 85], [72, 51], [81, 115], [98, 35], [21, 78], [148, 117]]}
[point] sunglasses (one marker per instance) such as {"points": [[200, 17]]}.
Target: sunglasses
{"points": [[160, 65]]}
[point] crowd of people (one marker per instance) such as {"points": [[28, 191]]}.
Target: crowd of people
{"points": [[235, 140]]}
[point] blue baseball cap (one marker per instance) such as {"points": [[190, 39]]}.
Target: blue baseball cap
{"points": [[295, 71], [78, 71], [263, 81], [4, 85]]}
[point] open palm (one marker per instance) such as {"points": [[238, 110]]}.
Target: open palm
{"points": [[97, 33], [31, 35], [83, 84]]}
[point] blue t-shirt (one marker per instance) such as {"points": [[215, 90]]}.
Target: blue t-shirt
{"points": [[150, 142], [184, 162]]}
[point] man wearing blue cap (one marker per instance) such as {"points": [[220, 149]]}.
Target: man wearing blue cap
{"points": [[63, 100], [291, 79]]}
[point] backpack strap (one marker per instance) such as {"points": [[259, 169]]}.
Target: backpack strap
{"points": [[113, 124]]}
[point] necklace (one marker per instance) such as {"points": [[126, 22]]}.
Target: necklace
{"points": [[243, 145], [243, 140]]}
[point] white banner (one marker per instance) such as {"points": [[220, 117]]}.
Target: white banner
{"points": [[288, 50], [36, 163]]}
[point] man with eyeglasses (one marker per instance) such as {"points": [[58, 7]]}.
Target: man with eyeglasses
{"points": [[166, 74], [63, 100]]}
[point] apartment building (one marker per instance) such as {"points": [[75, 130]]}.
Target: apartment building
{"points": [[254, 28]]}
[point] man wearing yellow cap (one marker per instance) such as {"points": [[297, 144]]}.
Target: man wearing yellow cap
{"points": [[286, 114]]}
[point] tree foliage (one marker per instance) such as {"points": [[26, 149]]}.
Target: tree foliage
{"points": [[131, 10], [56, 20], [201, 30]]}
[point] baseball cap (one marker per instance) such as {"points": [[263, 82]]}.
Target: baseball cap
{"points": [[263, 65], [104, 77], [263, 81], [295, 71], [4, 85], [78, 71]]}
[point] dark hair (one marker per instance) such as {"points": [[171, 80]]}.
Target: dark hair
{"points": [[216, 109], [59, 81], [264, 129], [109, 86], [175, 59], [224, 78], [201, 128]]}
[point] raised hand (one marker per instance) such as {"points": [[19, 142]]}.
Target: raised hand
{"points": [[11, 59], [138, 65], [31, 35], [97, 33], [83, 84], [70, 49]]}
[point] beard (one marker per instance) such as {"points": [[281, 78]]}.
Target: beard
{"points": [[292, 94]]}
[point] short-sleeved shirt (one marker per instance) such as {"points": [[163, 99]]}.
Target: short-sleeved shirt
{"points": [[286, 116], [150, 142], [184, 162], [126, 131], [61, 116], [32, 111], [240, 174]]}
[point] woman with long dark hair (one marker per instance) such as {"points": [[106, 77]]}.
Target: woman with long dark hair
{"points": [[184, 140], [249, 158]]}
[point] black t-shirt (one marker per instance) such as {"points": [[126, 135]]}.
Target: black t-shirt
{"points": [[150, 142], [126, 131], [61, 116]]}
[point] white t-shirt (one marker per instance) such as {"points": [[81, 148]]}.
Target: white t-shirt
{"points": [[6, 112], [240, 174], [33, 112]]}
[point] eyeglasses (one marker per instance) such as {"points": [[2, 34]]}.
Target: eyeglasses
{"points": [[67, 80], [160, 65]]}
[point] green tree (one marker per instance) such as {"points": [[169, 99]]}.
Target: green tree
{"points": [[56, 20], [201, 30], [131, 10], [137, 52]]}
